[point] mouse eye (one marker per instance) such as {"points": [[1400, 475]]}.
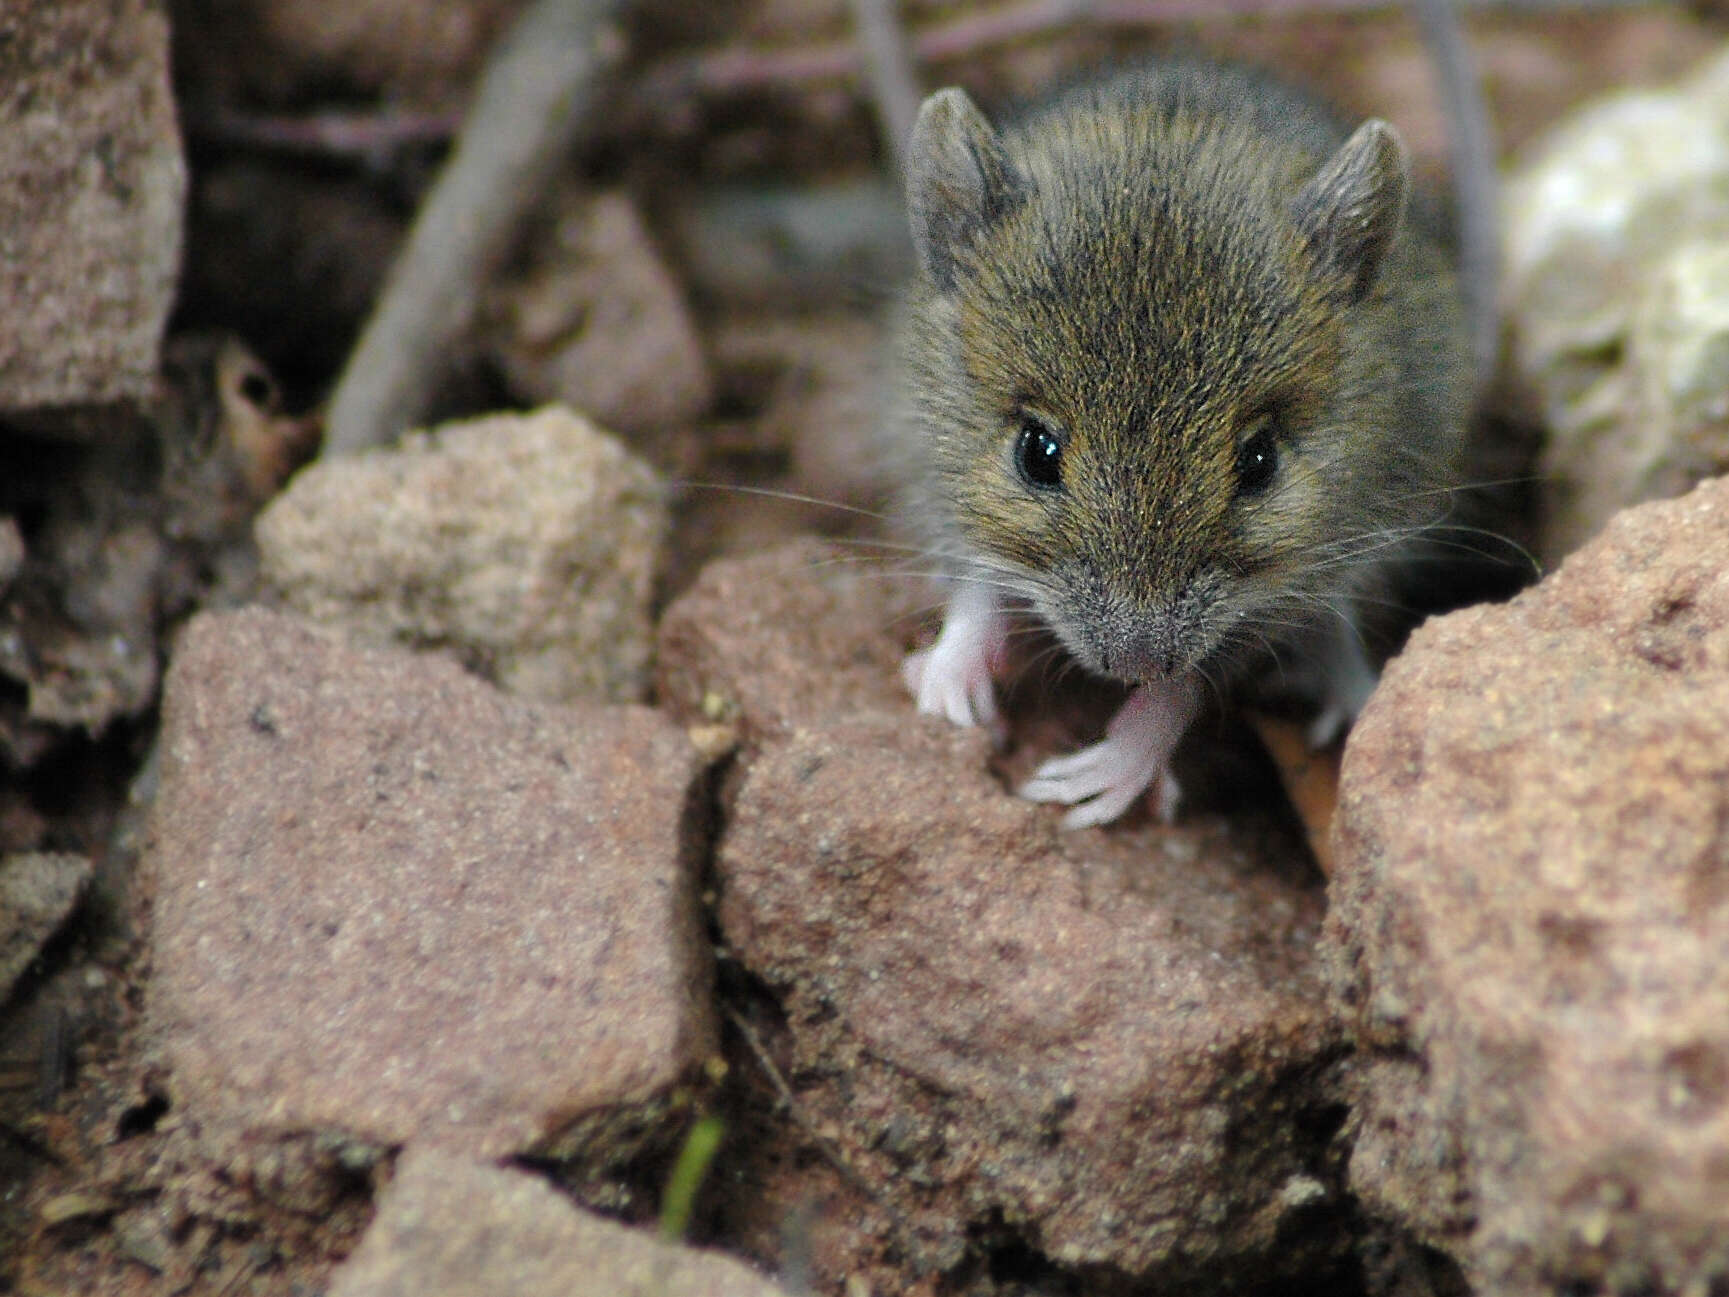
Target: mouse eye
{"points": [[1258, 457], [1039, 453]]}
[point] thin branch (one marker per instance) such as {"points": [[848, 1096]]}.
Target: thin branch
{"points": [[536, 93], [889, 69], [323, 133], [830, 1150]]}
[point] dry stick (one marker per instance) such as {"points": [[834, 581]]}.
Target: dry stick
{"points": [[323, 133], [889, 69], [830, 1151], [537, 90]]}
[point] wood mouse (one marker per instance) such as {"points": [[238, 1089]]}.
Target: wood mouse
{"points": [[1185, 377]]}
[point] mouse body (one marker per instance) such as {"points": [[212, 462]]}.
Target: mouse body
{"points": [[1181, 375]]}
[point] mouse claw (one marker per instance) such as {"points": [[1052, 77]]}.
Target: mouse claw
{"points": [[1103, 781], [943, 688], [1100, 782], [955, 677]]}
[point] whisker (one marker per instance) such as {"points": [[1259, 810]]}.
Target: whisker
{"points": [[774, 493]]}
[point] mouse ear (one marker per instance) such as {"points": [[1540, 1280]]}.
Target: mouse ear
{"points": [[1351, 209], [959, 180]]}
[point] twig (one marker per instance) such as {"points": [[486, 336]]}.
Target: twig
{"points": [[889, 69], [538, 89], [323, 133], [828, 1148]]}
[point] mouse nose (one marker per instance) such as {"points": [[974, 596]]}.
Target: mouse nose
{"points": [[1134, 654]]}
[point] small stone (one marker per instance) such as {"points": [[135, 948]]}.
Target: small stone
{"points": [[37, 893], [449, 1227], [526, 546], [598, 322], [1108, 1046], [1529, 914], [393, 903], [820, 380], [762, 643], [90, 204]]}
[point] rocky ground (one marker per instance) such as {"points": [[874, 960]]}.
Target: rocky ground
{"points": [[411, 861]]}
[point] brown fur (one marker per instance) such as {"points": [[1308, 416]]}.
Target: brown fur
{"points": [[1152, 265]]}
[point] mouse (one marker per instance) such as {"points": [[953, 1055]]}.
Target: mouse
{"points": [[1185, 375]]}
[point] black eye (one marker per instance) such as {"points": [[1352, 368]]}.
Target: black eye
{"points": [[1258, 459], [1039, 453]]}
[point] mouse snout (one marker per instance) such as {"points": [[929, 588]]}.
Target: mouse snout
{"points": [[1126, 635], [1142, 652]]}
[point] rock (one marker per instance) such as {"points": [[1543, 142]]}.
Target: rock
{"points": [[447, 1227], [144, 516], [1111, 1045], [1529, 915], [790, 637], [595, 320], [90, 210], [394, 903], [524, 545], [79, 632], [37, 892], [1619, 298]]}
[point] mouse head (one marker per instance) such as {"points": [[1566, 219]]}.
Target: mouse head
{"points": [[1143, 356]]}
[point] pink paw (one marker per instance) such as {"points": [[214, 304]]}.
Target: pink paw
{"points": [[955, 676], [1103, 781]]}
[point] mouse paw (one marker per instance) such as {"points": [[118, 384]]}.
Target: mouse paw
{"points": [[1103, 781], [955, 676]]}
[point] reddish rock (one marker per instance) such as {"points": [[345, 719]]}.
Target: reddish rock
{"points": [[801, 633], [449, 1227], [393, 902], [91, 201], [1530, 912], [1110, 1045], [596, 320]]}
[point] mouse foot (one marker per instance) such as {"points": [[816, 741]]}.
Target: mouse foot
{"points": [[1103, 781], [955, 677]]}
